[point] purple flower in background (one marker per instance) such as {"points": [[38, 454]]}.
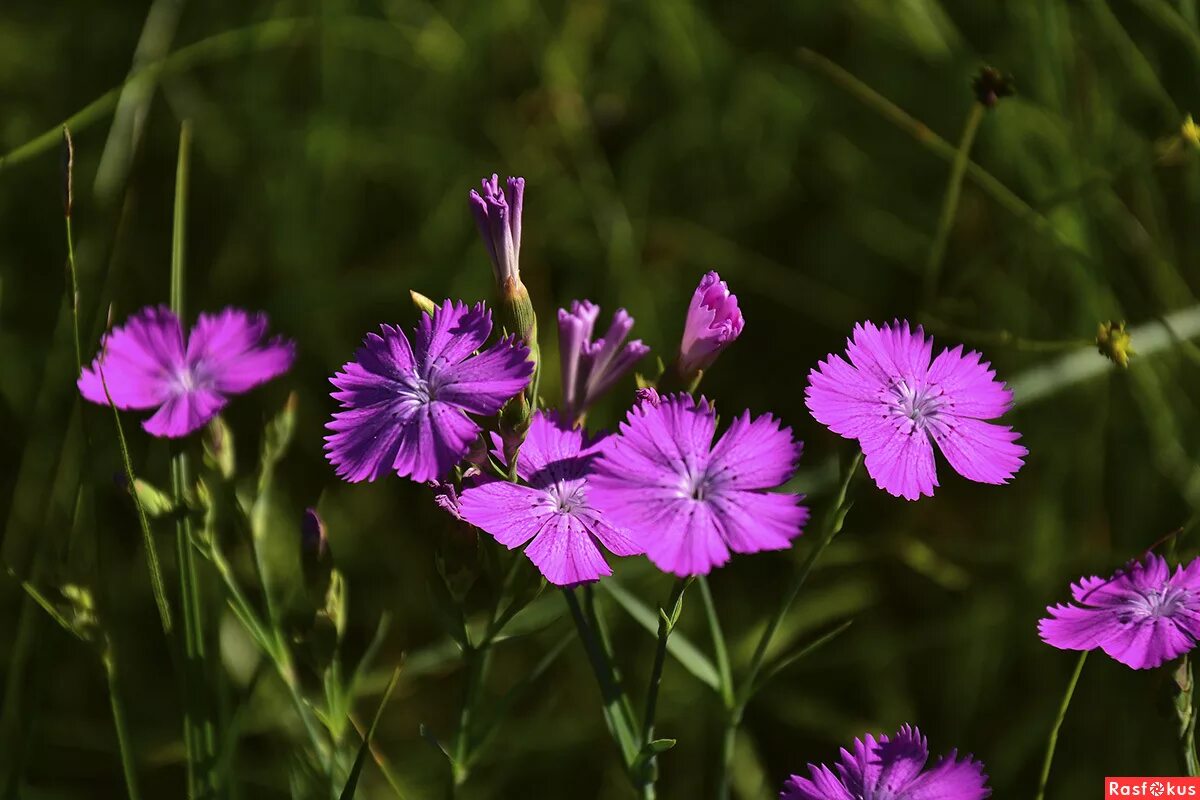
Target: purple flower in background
{"points": [[891, 768], [405, 405], [713, 322], [897, 404], [499, 218], [1142, 616], [554, 510], [590, 368], [690, 502], [147, 364]]}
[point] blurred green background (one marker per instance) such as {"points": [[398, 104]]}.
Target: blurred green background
{"points": [[334, 143]]}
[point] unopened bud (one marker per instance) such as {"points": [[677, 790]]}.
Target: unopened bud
{"points": [[990, 86], [1115, 343]]}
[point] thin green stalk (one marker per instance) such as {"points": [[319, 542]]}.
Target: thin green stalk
{"points": [[475, 659], [920, 132], [833, 524], [1185, 711], [720, 649], [610, 691], [118, 712], [594, 619], [668, 616], [958, 169], [199, 737], [1052, 740]]}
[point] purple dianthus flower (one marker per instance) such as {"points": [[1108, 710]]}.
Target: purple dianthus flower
{"points": [[553, 511], [713, 322], [690, 502], [148, 364], [897, 404], [405, 404], [591, 368], [1143, 616], [891, 768]]}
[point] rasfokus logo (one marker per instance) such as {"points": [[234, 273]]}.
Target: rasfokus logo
{"points": [[1151, 787]]}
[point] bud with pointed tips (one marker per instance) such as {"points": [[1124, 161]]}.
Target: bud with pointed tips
{"points": [[422, 303], [1115, 343]]}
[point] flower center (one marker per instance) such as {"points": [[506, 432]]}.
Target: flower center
{"points": [[566, 496], [422, 389], [914, 401], [1164, 602]]}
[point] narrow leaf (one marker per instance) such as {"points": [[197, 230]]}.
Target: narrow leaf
{"points": [[361, 758]]}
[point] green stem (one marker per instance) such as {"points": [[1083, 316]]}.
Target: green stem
{"points": [[199, 738], [1185, 710], [124, 747], [833, 524], [475, 660], [720, 649], [937, 252], [610, 690], [666, 624], [1052, 741], [668, 616]]}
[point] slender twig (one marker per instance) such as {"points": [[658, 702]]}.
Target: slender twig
{"points": [[1052, 740], [937, 251]]}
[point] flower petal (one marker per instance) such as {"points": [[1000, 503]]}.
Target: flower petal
{"points": [[979, 451], [969, 386], [752, 522], [757, 454], [564, 552], [511, 513], [481, 385], [184, 413], [142, 361], [689, 543], [823, 785], [950, 779], [225, 348], [1147, 643], [452, 333], [901, 462]]}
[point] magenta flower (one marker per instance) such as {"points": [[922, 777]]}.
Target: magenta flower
{"points": [[499, 220], [1142, 616], [891, 769], [689, 502], [405, 405], [591, 368], [897, 404], [713, 322], [553, 511], [147, 364]]}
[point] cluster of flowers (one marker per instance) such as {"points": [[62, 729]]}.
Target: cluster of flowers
{"points": [[664, 484]]}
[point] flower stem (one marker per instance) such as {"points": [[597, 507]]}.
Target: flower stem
{"points": [[668, 616], [1052, 740], [1185, 710], [614, 703], [198, 735], [720, 649], [108, 657], [937, 252], [833, 525]]}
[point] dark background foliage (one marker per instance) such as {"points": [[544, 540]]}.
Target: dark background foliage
{"points": [[335, 142]]}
